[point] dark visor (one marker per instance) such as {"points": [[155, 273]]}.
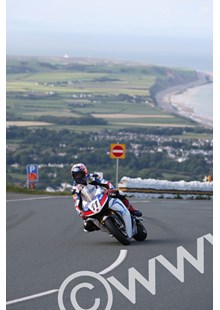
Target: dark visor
{"points": [[78, 175]]}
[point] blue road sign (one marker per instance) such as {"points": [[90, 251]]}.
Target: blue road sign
{"points": [[32, 173]]}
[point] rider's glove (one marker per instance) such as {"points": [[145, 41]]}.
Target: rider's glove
{"points": [[112, 192]]}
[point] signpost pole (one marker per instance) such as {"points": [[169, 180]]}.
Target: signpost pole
{"points": [[116, 181]]}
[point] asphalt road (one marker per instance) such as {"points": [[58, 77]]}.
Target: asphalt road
{"points": [[46, 244]]}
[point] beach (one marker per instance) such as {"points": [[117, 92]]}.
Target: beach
{"points": [[178, 100]]}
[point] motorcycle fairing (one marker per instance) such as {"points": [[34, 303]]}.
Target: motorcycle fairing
{"points": [[96, 205], [118, 206]]}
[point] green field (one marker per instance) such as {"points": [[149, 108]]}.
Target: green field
{"points": [[53, 87]]}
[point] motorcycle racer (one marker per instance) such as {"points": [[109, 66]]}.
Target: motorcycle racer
{"points": [[81, 177]]}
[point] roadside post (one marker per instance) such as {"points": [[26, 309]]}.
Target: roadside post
{"points": [[117, 151], [32, 175]]}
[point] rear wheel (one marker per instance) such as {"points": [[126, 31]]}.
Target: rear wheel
{"points": [[116, 227], [141, 234]]}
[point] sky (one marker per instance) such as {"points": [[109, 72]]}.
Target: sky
{"points": [[143, 17], [139, 29]]}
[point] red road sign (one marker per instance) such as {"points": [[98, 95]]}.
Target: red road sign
{"points": [[117, 151]]}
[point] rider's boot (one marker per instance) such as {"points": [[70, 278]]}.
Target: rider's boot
{"points": [[131, 209]]}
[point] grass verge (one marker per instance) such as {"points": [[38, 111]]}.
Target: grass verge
{"points": [[16, 189]]}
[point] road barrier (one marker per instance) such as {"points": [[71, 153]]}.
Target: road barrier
{"points": [[166, 189]]}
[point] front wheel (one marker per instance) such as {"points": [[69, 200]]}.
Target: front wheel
{"points": [[113, 227]]}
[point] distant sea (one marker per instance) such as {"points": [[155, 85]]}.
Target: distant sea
{"points": [[200, 99], [198, 58]]}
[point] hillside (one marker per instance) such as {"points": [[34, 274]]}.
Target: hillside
{"points": [[59, 92], [60, 111]]}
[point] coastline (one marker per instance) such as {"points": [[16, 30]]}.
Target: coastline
{"points": [[168, 101]]}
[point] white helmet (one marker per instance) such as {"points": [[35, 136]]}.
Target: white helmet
{"points": [[79, 173]]}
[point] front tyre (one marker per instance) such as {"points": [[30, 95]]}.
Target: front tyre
{"points": [[113, 228]]}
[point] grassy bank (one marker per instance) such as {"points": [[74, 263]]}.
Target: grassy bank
{"points": [[15, 189]]}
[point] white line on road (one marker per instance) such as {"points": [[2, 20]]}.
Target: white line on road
{"points": [[35, 198], [31, 297]]}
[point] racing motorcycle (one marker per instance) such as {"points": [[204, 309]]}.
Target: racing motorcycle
{"points": [[110, 215]]}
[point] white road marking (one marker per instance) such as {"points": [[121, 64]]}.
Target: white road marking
{"points": [[31, 297], [119, 260], [35, 198]]}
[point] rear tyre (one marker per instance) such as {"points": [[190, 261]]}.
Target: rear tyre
{"points": [[114, 229], [141, 234]]}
